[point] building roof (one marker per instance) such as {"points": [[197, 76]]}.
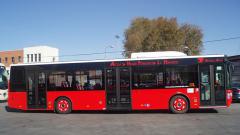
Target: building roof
{"points": [[11, 50], [39, 46], [234, 58]]}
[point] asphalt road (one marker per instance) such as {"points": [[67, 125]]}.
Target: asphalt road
{"points": [[204, 122]]}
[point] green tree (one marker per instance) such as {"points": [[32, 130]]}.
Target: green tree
{"points": [[161, 34]]}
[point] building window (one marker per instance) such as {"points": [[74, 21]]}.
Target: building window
{"points": [[28, 58], [13, 60], [53, 59], [19, 58], [0, 60], [35, 57], [31, 57], [6, 60], [39, 57]]}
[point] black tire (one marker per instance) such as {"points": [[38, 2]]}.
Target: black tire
{"points": [[179, 104], [63, 105]]}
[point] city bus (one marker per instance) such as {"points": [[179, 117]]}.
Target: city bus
{"points": [[3, 83], [176, 83]]}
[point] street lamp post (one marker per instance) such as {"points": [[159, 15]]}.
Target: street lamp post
{"points": [[105, 50], [110, 46]]}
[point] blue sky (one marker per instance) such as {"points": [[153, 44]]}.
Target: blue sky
{"points": [[89, 26]]}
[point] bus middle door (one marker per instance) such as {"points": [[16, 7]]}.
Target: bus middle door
{"points": [[118, 88]]}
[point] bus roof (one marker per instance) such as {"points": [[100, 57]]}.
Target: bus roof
{"points": [[157, 54], [110, 60]]}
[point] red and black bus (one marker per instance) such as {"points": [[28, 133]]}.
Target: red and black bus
{"points": [[174, 83]]}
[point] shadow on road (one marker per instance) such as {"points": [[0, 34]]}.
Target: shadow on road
{"points": [[204, 111]]}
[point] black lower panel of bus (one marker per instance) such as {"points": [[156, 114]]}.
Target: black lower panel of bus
{"points": [[119, 108]]}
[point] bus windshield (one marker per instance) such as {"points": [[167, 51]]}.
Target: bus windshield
{"points": [[3, 78]]}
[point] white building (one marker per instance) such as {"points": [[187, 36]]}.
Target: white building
{"points": [[40, 54]]}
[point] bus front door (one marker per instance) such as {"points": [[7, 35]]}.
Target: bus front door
{"points": [[118, 88], [212, 89], [36, 90]]}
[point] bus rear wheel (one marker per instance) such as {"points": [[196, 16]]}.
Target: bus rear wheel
{"points": [[63, 105], [179, 104]]}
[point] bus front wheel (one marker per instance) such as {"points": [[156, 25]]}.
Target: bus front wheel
{"points": [[63, 105], [179, 104]]}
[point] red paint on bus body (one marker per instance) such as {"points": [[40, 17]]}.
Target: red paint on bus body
{"points": [[152, 99], [81, 100], [142, 99], [17, 100]]}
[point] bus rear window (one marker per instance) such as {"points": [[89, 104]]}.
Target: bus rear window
{"points": [[17, 79]]}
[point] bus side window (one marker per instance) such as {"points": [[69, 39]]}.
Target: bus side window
{"points": [[18, 82], [59, 80], [181, 76], [148, 77], [88, 80]]}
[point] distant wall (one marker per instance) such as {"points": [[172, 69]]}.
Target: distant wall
{"points": [[11, 57]]}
